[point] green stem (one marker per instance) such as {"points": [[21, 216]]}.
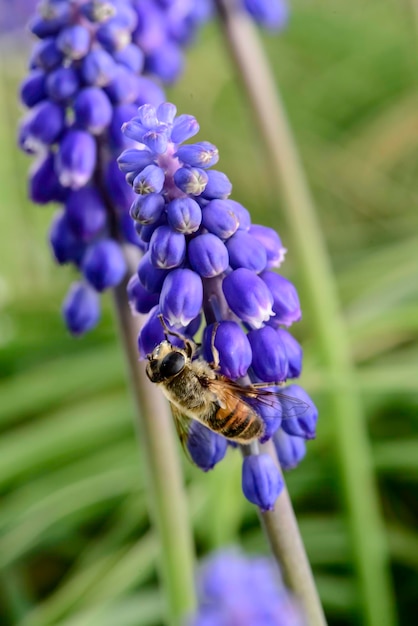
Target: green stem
{"points": [[163, 473], [351, 439]]}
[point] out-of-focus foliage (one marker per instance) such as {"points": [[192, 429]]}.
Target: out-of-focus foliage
{"points": [[76, 547]]}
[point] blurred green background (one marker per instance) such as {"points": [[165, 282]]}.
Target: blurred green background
{"points": [[76, 546]]}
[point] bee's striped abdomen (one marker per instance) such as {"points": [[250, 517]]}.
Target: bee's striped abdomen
{"points": [[237, 421]]}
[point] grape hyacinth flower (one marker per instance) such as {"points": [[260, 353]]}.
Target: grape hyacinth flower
{"points": [[89, 71], [235, 589], [202, 254]]}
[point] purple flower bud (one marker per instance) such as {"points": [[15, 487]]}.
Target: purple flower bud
{"points": [[98, 68], [294, 353], [248, 297], [208, 255], [65, 245], [233, 347], [43, 124], [113, 35], [46, 54], [98, 10], [271, 242], [261, 481], [156, 139], [147, 116], [167, 248], [268, 13], [104, 264], [245, 251], [147, 230], [206, 447], [184, 127], [74, 41], [149, 91], [92, 110], [149, 33], [181, 297], [121, 114], [166, 112], [149, 180], [125, 15], [219, 218], [301, 413], [133, 129], [184, 215], [44, 186], [166, 62], [50, 20], [269, 361], [152, 333], [147, 209], [290, 450], [86, 213], [33, 88], [62, 84], [131, 57], [128, 231], [75, 159], [124, 87], [191, 329], [151, 277], [134, 160], [202, 154], [191, 180], [286, 304], [120, 194], [81, 309], [24, 141], [218, 185], [141, 300], [242, 214]]}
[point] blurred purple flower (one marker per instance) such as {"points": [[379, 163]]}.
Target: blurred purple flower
{"points": [[84, 82], [237, 590]]}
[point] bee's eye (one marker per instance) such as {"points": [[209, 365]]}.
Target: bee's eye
{"points": [[172, 364]]}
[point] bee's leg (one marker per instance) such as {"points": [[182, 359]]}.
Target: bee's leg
{"points": [[190, 345], [270, 384], [215, 363]]}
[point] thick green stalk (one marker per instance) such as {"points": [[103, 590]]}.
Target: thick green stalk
{"points": [[166, 493], [351, 439]]}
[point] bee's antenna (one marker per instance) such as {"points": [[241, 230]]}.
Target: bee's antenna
{"points": [[168, 332], [215, 352], [189, 345]]}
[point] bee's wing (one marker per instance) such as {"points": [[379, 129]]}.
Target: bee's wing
{"points": [[185, 430], [262, 399], [182, 424]]}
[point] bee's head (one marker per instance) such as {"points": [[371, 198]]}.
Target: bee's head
{"points": [[164, 362]]}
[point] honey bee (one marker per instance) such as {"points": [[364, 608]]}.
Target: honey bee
{"points": [[196, 391]]}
